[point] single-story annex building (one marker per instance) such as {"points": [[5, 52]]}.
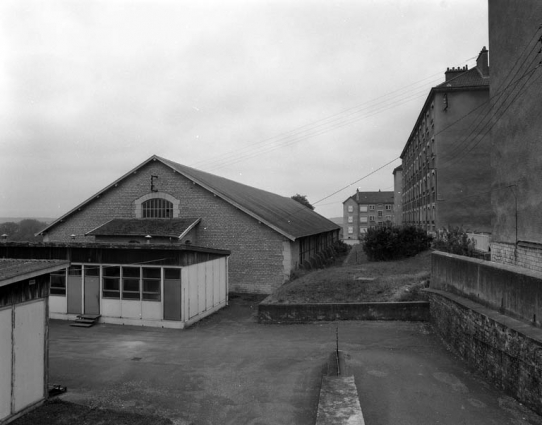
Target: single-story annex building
{"points": [[159, 285], [161, 201], [24, 289]]}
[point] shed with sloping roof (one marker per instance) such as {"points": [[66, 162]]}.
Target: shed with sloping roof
{"points": [[24, 291], [161, 201]]}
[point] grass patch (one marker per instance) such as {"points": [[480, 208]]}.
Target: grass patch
{"points": [[358, 280]]}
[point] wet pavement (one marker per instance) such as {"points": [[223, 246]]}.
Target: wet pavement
{"points": [[228, 369]]}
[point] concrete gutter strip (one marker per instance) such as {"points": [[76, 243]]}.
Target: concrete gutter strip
{"points": [[339, 402]]}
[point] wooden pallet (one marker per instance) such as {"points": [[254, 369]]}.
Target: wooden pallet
{"points": [[86, 320]]}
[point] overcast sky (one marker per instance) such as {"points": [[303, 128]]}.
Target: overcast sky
{"points": [[288, 96]]}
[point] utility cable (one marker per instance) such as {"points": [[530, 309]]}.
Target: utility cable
{"points": [[322, 122]]}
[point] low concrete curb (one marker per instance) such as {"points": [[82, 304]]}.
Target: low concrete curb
{"points": [[339, 401], [270, 313]]}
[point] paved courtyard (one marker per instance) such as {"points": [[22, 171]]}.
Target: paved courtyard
{"points": [[228, 369]]}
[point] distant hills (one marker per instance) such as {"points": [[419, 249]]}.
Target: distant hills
{"points": [[19, 219], [337, 220]]}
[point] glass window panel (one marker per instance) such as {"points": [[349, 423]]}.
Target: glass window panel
{"points": [[131, 285], [58, 283], [152, 272], [130, 272], [111, 284], [74, 270], [92, 270], [151, 286], [172, 273], [157, 208], [130, 295], [111, 294], [112, 271]]}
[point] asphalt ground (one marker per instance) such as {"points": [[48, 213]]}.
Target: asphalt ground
{"points": [[228, 369]]}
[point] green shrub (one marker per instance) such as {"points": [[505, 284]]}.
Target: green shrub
{"points": [[341, 248], [454, 241], [394, 242]]}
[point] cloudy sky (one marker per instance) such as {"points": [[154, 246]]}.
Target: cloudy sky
{"points": [[305, 96]]}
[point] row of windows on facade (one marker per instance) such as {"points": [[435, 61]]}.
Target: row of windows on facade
{"points": [[364, 208], [422, 133], [120, 282], [365, 219], [425, 213], [364, 229]]}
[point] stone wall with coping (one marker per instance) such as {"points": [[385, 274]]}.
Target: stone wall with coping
{"points": [[512, 290], [506, 351]]}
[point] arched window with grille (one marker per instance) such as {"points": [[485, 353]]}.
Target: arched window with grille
{"points": [[157, 208]]}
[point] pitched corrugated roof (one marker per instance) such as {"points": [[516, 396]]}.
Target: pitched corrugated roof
{"points": [[372, 197], [157, 227], [281, 213], [15, 270]]}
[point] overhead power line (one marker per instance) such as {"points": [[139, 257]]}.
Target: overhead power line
{"points": [[315, 128]]}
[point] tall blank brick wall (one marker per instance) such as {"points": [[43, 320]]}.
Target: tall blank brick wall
{"points": [[256, 261]]}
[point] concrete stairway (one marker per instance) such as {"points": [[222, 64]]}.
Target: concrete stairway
{"points": [[86, 320]]}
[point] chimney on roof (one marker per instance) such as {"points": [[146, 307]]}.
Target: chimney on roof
{"points": [[454, 72], [357, 195], [482, 63]]}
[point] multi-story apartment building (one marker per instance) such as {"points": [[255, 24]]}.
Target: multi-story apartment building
{"points": [[446, 174], [365, 210]]}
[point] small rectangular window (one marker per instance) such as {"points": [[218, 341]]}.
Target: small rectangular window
{"points": [[363, 219], [371, 218], [350, 229], [74, 270], [131, 283], [350, 219], [350, 208], [371, 207], [173, 274], [152, 284], [58, 283], [111, 282], [363, 208], [379, 214], [92, 270]]}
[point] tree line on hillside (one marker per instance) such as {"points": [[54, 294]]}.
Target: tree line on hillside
{"points": [[24, 230]]}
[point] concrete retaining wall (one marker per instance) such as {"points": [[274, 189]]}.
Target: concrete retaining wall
{"points": [[507, 351], [304, 313], [512, 290]]}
